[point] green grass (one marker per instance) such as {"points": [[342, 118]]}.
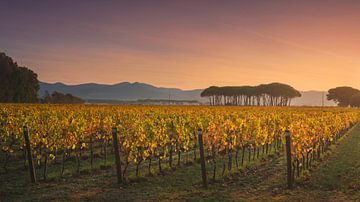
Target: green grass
{"points": [[336, 177]]}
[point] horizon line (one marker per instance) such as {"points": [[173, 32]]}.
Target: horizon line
{"points": [[134, 82]]}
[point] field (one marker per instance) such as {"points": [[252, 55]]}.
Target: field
{"points": [[73, 151]]}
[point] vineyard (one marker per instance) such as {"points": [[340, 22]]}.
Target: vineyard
{"points": [[152, 138]]}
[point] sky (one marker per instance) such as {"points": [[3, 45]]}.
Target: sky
{"points": [[310, 45]]}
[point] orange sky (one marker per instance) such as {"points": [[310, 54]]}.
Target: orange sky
{"points": [[311, 46]]}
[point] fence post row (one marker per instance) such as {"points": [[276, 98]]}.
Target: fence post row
{"points": [[29, 155], [202, 158], [118, 162], [117, 155], [288, 158]]}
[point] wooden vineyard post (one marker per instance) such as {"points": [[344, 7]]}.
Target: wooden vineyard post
{"points": [[91, 151], [29, 155], [202, 158], [117, 154], [288, 158]]}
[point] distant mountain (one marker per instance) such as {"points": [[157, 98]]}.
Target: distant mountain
{"points": [[122, 91], [126, 91]]}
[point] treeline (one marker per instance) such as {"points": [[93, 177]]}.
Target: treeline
{"points": [[17, 84], [345, 96], [60, 98], [273, 94], [20, 85]]}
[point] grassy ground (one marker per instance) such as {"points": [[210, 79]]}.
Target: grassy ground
{"points": [[335, 178], [338, 178]]}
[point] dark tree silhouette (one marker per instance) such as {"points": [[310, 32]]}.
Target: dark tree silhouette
{"points": [[17, 84], [274, 94], [355, 100], [342, 95], [60, 98]]}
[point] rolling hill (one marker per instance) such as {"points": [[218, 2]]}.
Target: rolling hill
{"points": [[124, 91]]}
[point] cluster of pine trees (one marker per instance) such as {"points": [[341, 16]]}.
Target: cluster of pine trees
{"points": [[273, 94], [345, 96]]}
